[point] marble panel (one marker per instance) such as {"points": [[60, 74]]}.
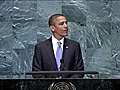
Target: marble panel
{"points": [[47, 8], [74, 13], [99, 60], [22, 62], [115, 35], [6, 10], [99, 10], [115, 11], [98, 34]]}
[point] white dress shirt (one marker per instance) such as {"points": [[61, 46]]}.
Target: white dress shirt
{"points": [[55, 45]]}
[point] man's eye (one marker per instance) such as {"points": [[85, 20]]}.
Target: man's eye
{"points": [[66, 22], [61, 23]]}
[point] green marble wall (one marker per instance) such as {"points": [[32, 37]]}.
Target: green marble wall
{"points": [[95, 24]]}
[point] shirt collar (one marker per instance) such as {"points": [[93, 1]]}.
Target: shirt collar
{"points": [[54, 40]]}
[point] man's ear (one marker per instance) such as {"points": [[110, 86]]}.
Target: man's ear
{"points": [[52, 28]]}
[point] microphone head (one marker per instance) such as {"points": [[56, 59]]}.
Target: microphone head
{"points": [[61, 60]]}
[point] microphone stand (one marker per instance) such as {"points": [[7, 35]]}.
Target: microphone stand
{"points": [[62, 65]]}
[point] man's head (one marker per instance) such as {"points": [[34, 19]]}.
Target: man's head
{"points": [[58, 25]]}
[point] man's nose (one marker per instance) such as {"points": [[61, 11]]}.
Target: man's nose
{"points": [[65, 25]]}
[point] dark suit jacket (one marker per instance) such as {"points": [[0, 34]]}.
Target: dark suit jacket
{"points": [[44, 59]]}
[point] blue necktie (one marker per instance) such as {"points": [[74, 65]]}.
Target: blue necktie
{"points": [[58, 54]]}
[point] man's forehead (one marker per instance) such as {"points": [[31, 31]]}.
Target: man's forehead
{"points": [[61, 19]]}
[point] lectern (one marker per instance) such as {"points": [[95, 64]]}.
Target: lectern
{"points": [[61, 72], [64, 83], [60, 84]]}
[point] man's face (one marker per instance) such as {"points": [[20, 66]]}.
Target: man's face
{"points": [[60, 28]]}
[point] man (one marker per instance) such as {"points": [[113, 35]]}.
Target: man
{"points": [[45, 57]]}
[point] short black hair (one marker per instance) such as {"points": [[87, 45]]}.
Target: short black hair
{"points": [[52, 18]]}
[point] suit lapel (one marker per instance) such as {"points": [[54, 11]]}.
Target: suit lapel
{"points": [[66, 50], [50, 53]]}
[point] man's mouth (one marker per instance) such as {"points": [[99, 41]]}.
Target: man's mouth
{"points": [[65, 30]]}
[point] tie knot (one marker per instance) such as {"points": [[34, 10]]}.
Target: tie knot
{"points": [[59, 44]]}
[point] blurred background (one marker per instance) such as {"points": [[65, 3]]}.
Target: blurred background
{"points": [[95, 24]]}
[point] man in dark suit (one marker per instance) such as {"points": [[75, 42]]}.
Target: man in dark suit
{"points": [[44, 58]]}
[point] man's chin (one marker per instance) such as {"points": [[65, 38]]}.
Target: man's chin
{"points": [[65, 35]]}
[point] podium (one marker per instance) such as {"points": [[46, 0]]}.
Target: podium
{"points": [[62, 73], [64, 83], [60, 84]]}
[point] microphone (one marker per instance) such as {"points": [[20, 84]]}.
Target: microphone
{"points": [[61, 61], [62, 64]]}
